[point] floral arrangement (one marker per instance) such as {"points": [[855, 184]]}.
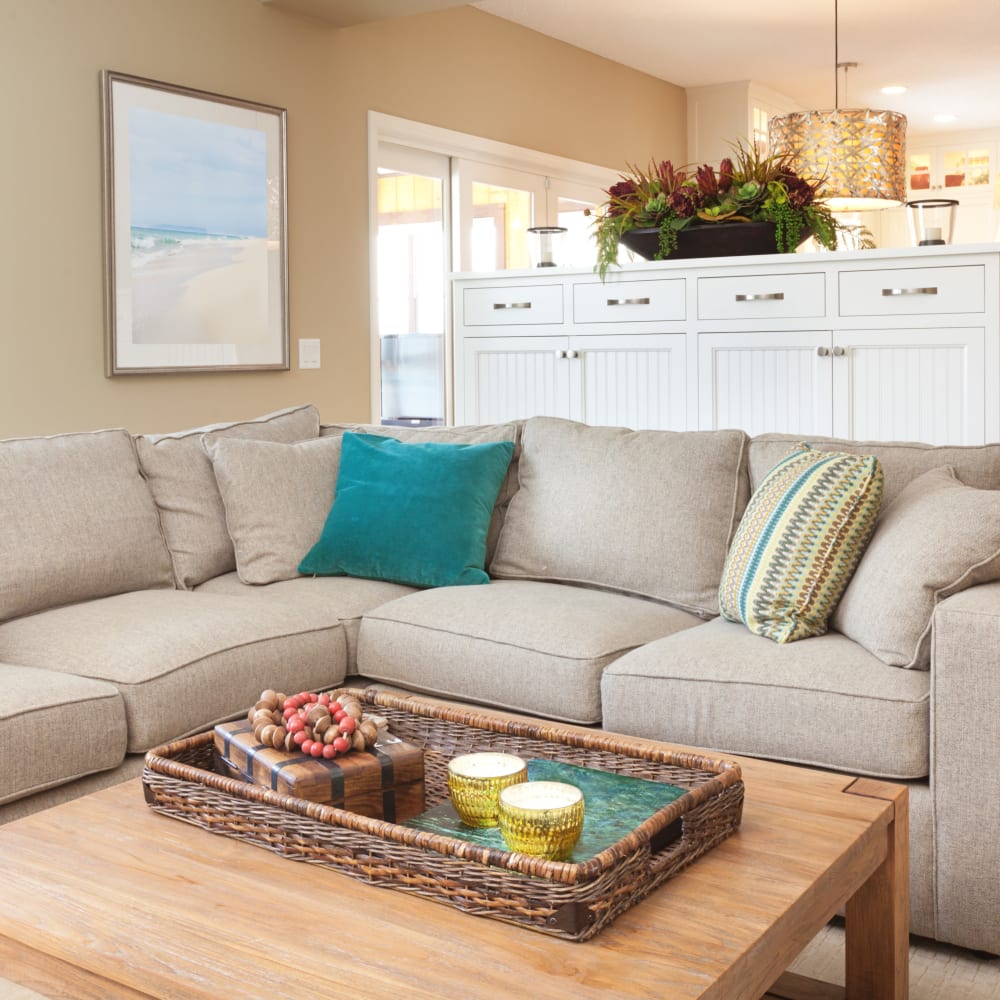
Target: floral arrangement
{"points": [[748, 187]]}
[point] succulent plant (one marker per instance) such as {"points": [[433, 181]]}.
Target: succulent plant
{"points": [[749, 186]]}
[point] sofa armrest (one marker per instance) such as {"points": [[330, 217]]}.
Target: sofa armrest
{"points": [[965, 765]]}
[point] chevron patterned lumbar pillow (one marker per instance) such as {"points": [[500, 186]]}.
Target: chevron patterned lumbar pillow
{"points": [[800, 540]]}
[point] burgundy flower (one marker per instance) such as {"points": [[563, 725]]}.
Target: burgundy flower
{"points": [[708, 184], [725, 175], [625, 190], [622, 189], [670, 178], [682, 203], [800, 192]]}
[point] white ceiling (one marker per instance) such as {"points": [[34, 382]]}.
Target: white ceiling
{"points": [[946, 53]]}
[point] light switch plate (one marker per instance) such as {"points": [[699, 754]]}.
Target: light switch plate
{"points": [[308, 353]]}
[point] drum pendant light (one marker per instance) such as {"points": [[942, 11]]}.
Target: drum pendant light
{"points": [[859, 152]]}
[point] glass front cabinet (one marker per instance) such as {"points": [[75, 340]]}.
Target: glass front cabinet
{"points": [[948, 170]]}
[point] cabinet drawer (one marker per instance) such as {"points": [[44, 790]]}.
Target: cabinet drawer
{"points": [[762, 296], [522, 305], [629, 301], [906, 291]]}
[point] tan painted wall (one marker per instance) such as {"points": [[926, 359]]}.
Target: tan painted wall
{"points": [[460, 69]]}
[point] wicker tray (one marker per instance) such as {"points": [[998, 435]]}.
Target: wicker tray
{"points": [[568, 900]]}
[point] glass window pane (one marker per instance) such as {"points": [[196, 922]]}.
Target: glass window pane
{"points": [[578, 246], [500, 220], [411, 296], [920, 171]]}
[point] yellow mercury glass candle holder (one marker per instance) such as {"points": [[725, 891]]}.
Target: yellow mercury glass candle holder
{"points": [[543, 818], [475, 781]]}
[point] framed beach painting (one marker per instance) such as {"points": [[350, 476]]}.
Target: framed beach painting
{"points": [[195, 207]]}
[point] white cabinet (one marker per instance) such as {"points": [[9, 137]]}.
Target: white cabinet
{"points": [[765, 381], [632, 380], [880, 385], [947, 169], [910, 385], [901, 345], [504, 378]]}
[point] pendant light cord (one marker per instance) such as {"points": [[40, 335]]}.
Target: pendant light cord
{"points": [[836, 58]]}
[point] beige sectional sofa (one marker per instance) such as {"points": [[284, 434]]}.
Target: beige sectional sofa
{"points": [[150, 589]]}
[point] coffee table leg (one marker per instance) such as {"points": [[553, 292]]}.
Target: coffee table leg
{"points": [[877, 918]]}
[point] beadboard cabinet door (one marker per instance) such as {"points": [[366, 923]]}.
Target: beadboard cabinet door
{"points": [[624, 380], [910, 385], [636, 381], [508, 378], [766, 381], [871, 385]]}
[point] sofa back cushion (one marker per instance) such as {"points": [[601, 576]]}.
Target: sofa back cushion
{"points": [[277, 497], [902, 462], [650, 513], [183, 484], [937, 538], [467, 434], [77, 522]]}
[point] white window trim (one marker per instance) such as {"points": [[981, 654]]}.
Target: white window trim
{"points": [[418, 135]]}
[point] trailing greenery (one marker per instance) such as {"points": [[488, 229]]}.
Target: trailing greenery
{"points": [[749, 186]]}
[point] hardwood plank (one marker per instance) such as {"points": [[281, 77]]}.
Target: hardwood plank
{"points": [[56, 979]]}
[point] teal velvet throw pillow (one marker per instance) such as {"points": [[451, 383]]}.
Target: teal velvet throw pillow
{"points": [[410, 513]]}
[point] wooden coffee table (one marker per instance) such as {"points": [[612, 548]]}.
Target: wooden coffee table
{"points": [[105, 899]]}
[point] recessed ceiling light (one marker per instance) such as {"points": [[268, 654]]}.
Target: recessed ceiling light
{"points": [[895, 88], [944, 119]]}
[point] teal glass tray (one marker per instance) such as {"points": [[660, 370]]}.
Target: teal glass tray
{"points": [[614, 805]]}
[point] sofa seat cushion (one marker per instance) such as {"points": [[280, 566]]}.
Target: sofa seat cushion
{"points": [[646, 513], [183, 661], [55, 728], [345, 597], [524, 645], [824, 701]]}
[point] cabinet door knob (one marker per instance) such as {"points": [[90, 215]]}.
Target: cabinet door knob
{"points": [[910, 291], [760, 296], [839, 352], [560, 354], [823, 352], [572, 354], [511, 305]]}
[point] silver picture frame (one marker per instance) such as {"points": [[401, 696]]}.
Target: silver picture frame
{"points": [[196, 245]]}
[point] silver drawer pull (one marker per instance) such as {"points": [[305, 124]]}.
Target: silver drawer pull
{"points": [[511, 305], [761, 297], [910, 291], [823, 352], [629, 302]]}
